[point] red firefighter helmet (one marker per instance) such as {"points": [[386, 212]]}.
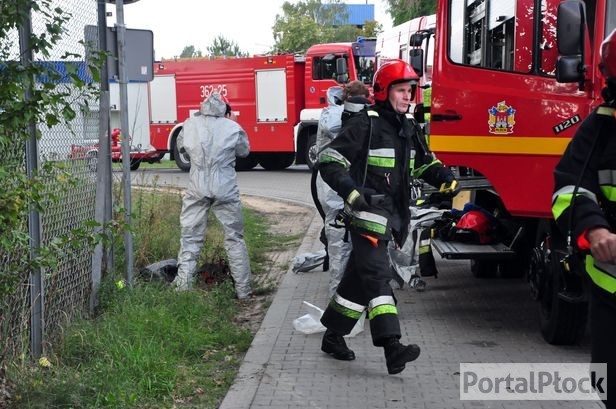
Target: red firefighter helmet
{"points": [[391, 72], [474, 225], [608, 57]]}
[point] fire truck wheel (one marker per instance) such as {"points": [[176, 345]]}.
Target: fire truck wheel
{"points": [[311, 150], [483, 268], [276, 161], [181, 158], [134, 164], [246, 163]]}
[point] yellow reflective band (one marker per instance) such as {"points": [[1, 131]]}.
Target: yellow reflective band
{"points": [[550, 146], [606, 111], [561, 204], [603, 280], [424, 249], [347, 312], [609, 192], [352, 196], [370, 226], [381, 162], [382, 309]]}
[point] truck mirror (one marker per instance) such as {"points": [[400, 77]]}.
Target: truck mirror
{"points": [[342, 71], [570, 27], [416, 39], [570, 30], [569, 68], [416, 59]]}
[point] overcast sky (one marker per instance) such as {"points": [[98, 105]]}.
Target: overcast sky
{"points": [[178, 23]]}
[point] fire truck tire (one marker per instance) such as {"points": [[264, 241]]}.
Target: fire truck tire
{"points": [[483, 268], [276, 161], [562, 322], [182, 160], [311, 150], [134, 164], [246, 163]]}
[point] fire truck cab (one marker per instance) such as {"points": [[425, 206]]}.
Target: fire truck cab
{"points": [[512, 80]]}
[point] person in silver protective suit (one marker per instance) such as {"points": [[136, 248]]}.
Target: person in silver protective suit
{"points": [[342, 101], [213, 141]]}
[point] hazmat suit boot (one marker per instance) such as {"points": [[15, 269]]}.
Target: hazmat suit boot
{"points": [[334, 345], [397, 355]]}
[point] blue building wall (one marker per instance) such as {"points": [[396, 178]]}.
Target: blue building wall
{"points": [[360, 13], [357, 14]]}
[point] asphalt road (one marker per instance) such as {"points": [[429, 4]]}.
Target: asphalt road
{"points": [[292, 184]]}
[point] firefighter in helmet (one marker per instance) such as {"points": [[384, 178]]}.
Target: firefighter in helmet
{"points": [[587, 172], [370, 165], [213, 141], [343, 103]]}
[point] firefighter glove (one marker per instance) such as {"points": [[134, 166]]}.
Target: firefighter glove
{"points": [[359, 201], [452, 188]]}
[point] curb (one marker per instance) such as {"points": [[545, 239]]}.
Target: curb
{"points": [[244, 388]]}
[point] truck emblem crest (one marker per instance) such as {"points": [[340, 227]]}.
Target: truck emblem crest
{"points": [[501, 119]]}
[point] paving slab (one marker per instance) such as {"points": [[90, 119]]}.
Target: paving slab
{"points": [[457, 319]]}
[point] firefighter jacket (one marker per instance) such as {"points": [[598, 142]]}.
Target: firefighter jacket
{"points": [[593, 145], [381, 151]]}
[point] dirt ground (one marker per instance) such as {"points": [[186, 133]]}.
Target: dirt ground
{"points": [[285, 218]]}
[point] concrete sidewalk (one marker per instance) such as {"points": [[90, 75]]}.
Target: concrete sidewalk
{"points": [[457, 319]]}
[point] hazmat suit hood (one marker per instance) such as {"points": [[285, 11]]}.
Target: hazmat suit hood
{"points": [[329, 121], [214, 105], [335, 95]]}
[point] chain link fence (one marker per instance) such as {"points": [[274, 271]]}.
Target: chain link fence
{"points": [[66, 287]]}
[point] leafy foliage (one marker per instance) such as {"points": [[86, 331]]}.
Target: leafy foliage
{"points": [[54, 96], [190, 52], [310, 22], [405, 10], [222, 47]]}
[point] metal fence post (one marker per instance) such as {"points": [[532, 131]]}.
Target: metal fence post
{"points": [[34, 218], [103, 165], [122, 81]]}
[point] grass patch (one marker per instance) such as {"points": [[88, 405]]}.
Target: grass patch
{"points": [[150, 346]]}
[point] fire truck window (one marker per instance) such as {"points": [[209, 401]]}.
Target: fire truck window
{"points": [[365, 69], [483, 34], [324, 68], [610, 21]]}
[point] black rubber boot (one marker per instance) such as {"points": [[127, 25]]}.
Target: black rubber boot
{"points": [[334, 345], [397, 355]]}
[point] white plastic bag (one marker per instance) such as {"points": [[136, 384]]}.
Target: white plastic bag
{"points": [[311, 323]]}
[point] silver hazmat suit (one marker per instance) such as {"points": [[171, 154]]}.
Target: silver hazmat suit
{"points": [[212, 142], [330, 123]]}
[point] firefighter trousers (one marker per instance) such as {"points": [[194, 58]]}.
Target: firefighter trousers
{"points": [[365, 285]]}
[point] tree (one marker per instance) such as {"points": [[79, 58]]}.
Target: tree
{"points": [[189, 52], [222, 47], [405, 10], [310, 22]]}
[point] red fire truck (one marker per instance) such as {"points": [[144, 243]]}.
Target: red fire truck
{"points": [[512, 80], [273, 97]]}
